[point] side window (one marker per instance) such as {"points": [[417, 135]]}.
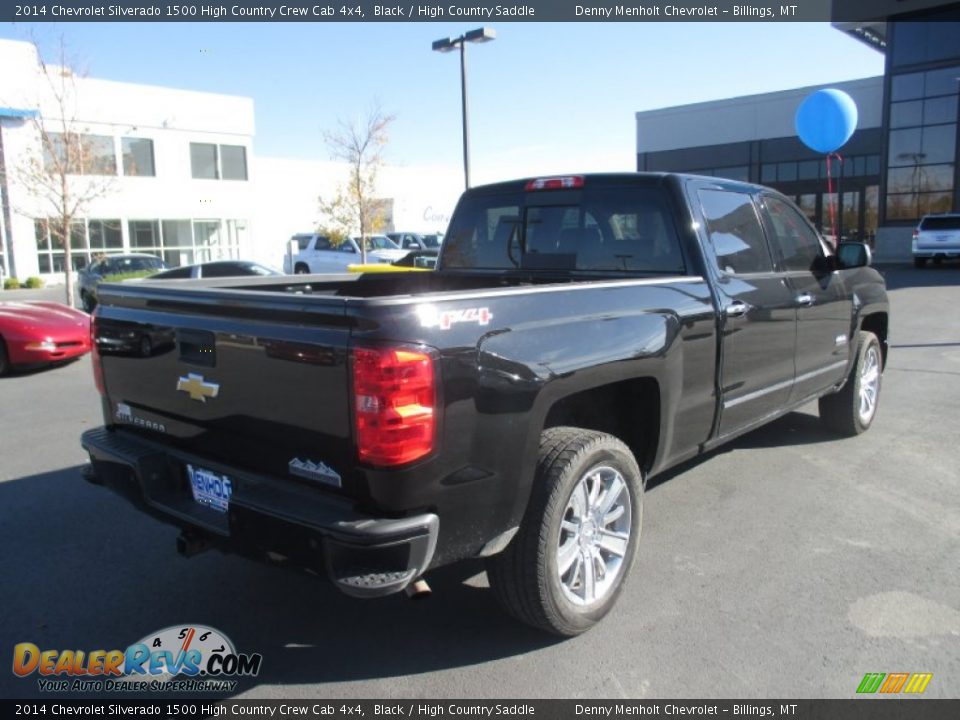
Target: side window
{"points": [[323, 243], [735, 232], [183, 272], [798, 245], [303, 241], [347, 247], [214, 270]]}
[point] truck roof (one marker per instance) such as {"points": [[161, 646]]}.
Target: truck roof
{"points": [[618, 178]]}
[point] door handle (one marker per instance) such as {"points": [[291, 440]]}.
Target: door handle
{"points": [[805, 299], [737, 308]]}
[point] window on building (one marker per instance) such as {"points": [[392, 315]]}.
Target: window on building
{"points": [[735, 232], [137, 156], [144, 235], [218, 162], [203, 161], [79, 154], [922, 143], [89, 240], [233, 159]]}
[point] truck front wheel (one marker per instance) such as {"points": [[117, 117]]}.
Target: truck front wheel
{"points": [[852, 410], [566, 566]]}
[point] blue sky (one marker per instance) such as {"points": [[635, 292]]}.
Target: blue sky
{"points": [[538, 92]]}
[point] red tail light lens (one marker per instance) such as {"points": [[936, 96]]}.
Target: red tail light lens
{"points": [[568, 182], [394, 402], [95, 357]]}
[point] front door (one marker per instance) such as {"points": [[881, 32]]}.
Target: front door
{"points": [[824, 306], [758, 315]]}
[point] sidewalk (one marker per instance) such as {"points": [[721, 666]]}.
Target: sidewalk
{"points": [[56, 293]]}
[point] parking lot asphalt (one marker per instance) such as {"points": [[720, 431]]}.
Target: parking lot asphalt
{"points": [[787, 564]]}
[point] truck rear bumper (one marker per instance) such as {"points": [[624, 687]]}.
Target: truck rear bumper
{"points": [[267, 518]]}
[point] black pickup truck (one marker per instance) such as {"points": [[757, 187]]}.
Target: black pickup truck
{"points": [[579, 335]]}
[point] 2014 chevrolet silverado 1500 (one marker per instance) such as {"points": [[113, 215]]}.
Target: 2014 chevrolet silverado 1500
{"points": [[579, 335]]}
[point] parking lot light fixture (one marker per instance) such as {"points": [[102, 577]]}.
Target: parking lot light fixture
{"points": [[445, 45]]}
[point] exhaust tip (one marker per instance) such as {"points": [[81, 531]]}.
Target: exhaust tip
{"points": [[418, 590], [190, 544]]}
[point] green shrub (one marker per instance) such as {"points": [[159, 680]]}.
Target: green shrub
{"points": [[11, 284], [117, 277], [33, 283]]}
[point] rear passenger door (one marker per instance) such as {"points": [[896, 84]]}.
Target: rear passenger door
{"points": [[824, 306], [758, 318]]}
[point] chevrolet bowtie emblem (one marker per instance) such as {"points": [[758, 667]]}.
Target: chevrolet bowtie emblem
{"points": [[198, 389]]}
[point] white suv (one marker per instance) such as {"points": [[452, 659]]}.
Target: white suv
{"points": [[317, 254], [936, 237]]}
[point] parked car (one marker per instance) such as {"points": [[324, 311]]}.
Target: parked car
{"points": [[579, 336], [416, 241], [936, 238], [39, 333], [114, 267], [318, 253], [216, 268]]}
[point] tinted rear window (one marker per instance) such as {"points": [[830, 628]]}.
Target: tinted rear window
{"points": [[606, 229], [941, 223]]}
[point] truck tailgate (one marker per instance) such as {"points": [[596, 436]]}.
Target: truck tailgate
{"points": [[261, 387]]}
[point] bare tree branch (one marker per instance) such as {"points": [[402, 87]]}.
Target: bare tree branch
{"points": [[60, 179], [355, 202]]}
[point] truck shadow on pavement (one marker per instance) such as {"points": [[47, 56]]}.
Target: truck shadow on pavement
{"points": [[86, 571], [794, 428], [899, 277]]}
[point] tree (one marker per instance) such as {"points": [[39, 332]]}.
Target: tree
{"points": [[355, 203], [72, 169]]}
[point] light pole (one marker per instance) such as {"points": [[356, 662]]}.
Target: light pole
{"points": [[480, 35]]}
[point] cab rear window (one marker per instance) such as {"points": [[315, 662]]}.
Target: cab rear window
{"points": [[609, 230]]}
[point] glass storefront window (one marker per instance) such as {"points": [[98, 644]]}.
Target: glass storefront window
{"points": [[906, 114], [906, 87]]}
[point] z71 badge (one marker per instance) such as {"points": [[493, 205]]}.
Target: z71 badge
{"points": [[444, 319]]}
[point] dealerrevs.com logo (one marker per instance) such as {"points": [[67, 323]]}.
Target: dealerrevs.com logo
{"points": [[180, 658]]}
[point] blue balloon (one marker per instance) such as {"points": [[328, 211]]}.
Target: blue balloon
{"points": [[826, 119]]}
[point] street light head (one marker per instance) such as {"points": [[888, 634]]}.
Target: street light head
{"points": [[481, 35], [445, 44]]}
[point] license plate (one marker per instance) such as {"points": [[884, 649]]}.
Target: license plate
{"points": [[209, 488]]}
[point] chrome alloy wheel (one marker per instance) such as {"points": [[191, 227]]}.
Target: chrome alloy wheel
{"points": [[869, 384], [594, 535]]}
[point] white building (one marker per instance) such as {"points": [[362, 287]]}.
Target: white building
{"points": [[175, 163], [182, 179]]}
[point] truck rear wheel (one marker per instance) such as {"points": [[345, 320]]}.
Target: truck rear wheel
{"points": [[852, 410], [301, 269], [567, 565]]}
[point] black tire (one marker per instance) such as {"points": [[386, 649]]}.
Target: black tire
{"points": [[146, 346], [938, 261], [526, 576], [87, 302], [4, 358], [843, 411], [919, 262], [301, 269]]}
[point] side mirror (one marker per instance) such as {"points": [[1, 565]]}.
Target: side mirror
{"points": [[853, 255]]}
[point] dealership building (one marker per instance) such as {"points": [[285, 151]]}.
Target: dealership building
{"points": [[901, 162], [172, 173]]}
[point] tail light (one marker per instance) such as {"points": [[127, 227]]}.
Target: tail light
{"points": [[916, 233], [97, 363], [567, 182], [395, 397]]}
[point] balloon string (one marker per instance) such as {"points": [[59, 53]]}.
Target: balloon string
{"points": [[833, 212]]}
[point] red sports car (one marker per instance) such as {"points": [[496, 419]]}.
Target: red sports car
{"points": [[37, 333]]}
